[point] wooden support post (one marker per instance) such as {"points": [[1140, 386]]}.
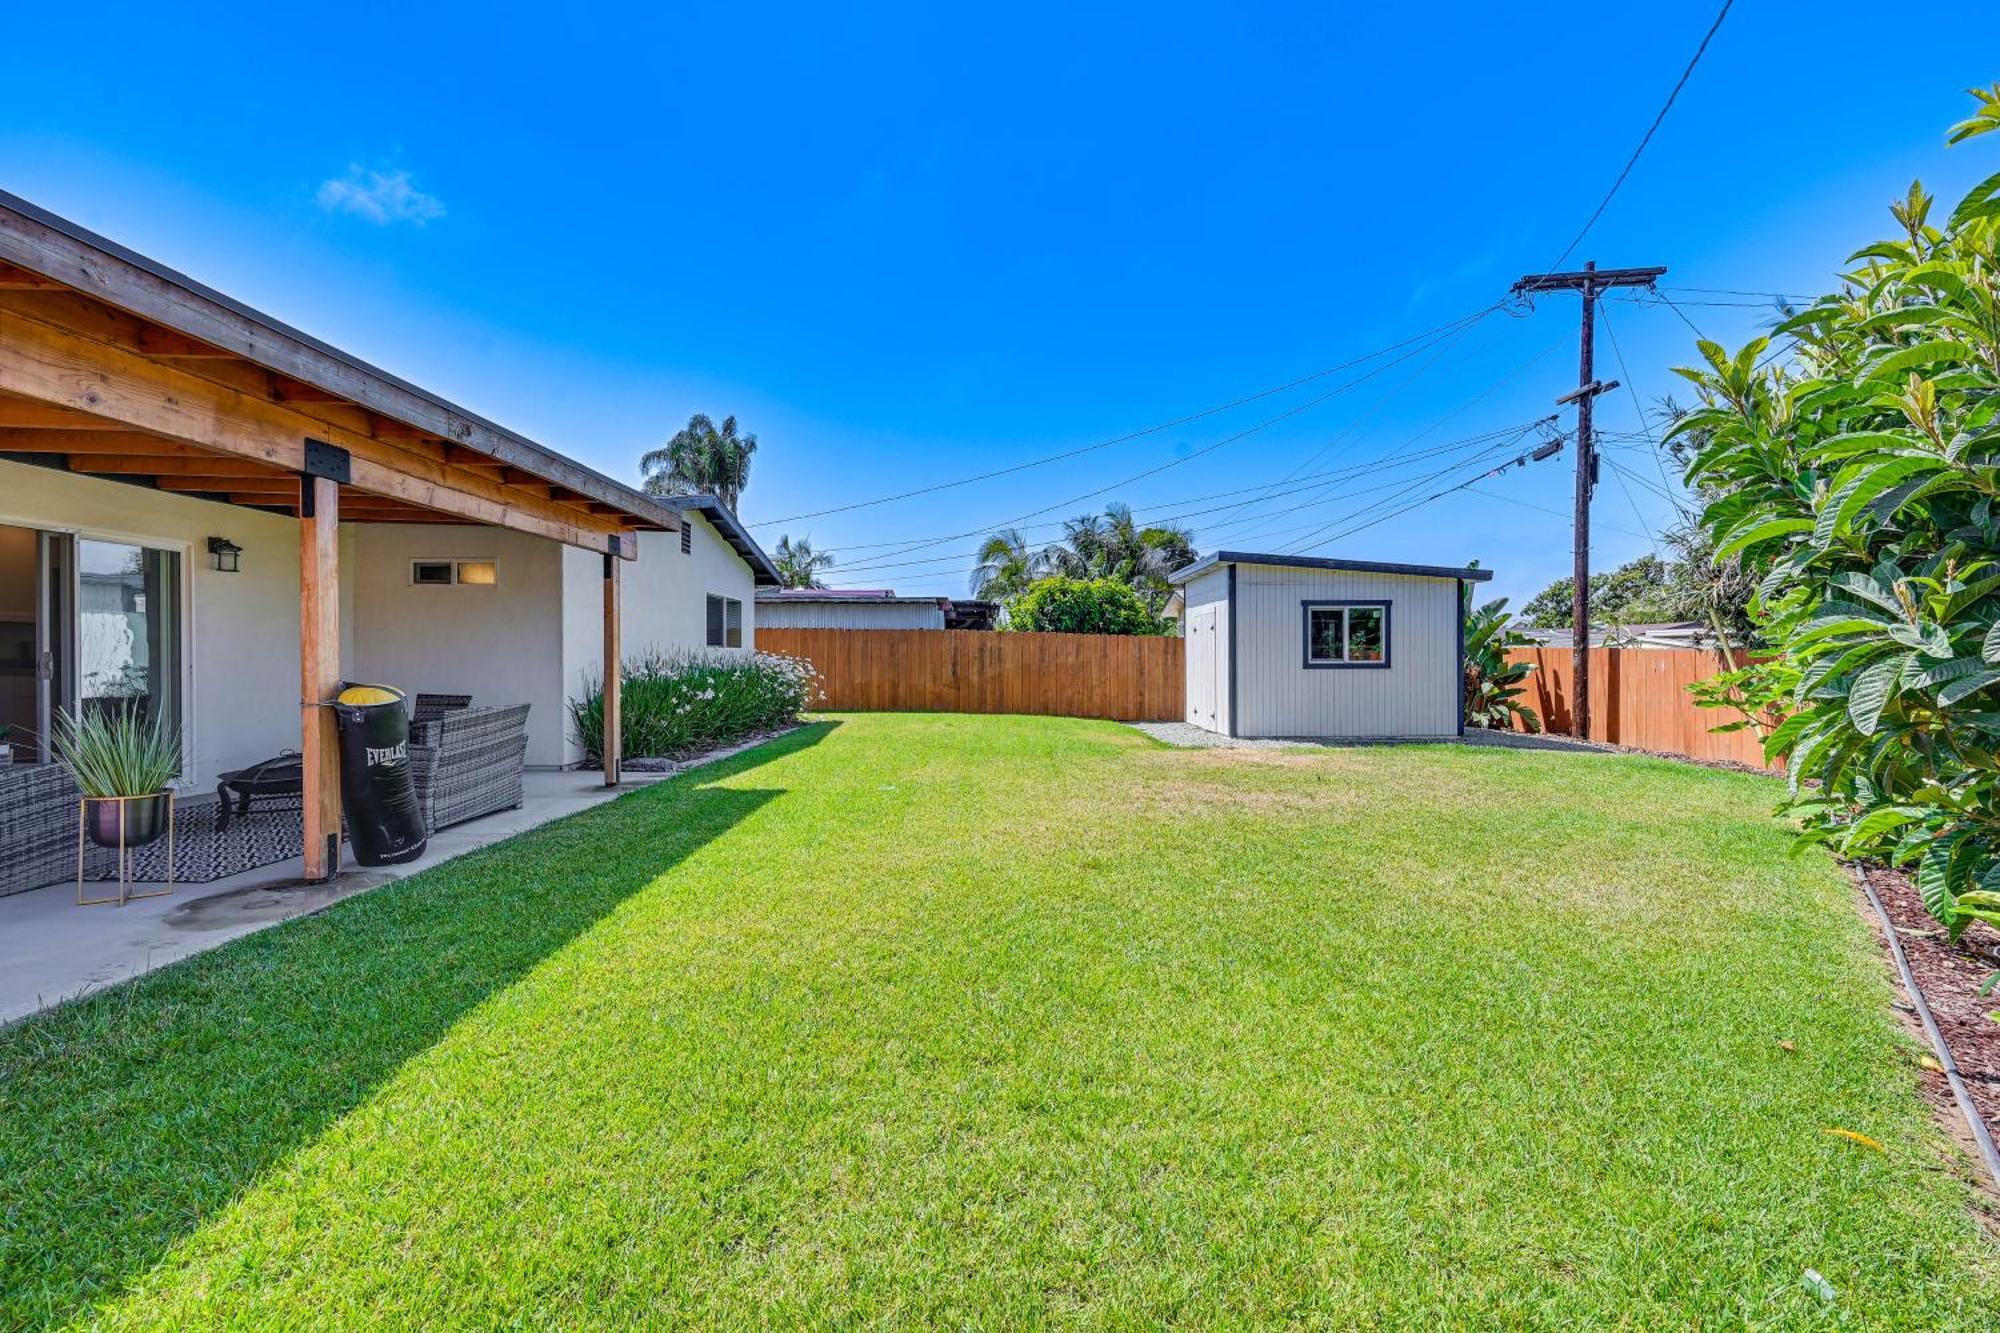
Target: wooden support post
{"points": [[613, 675], [319, 670]]}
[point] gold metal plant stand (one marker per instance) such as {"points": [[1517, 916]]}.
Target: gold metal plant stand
{"points": [[124, 894]]}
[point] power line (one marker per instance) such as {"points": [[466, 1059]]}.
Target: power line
{"points": [[1494, 385], [1349, 473], [1647, 138], [1316, 523], [1798, 297], [1315, 538], [1451, 326], [1173, 463], [1638, 406], [1345, 533], [1528, 504]]}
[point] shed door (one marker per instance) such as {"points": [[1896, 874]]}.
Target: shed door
{"points": [[1201, 667]]}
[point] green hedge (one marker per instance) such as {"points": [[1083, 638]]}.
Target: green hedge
{"points": [[1061, 605], [676, 704]]}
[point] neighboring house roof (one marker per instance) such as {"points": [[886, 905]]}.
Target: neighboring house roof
{"points": [[48, 244], [849, 597], [733, 532], [1211, 561]]}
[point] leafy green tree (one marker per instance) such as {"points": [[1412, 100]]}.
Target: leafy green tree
{"points": [[1115, 545], [798, 564], [1637, 592], [1063, 605], [1861, 485], [701, 459]]}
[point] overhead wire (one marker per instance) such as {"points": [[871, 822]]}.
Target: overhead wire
{"points": [[1647, 138], [1150, 517], [1170, 464], [1450, 326]]}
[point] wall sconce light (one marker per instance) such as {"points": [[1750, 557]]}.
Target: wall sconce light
{"points": [[227, 554]]}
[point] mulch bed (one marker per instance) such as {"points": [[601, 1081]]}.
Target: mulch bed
{"points": [[1950, 976]]}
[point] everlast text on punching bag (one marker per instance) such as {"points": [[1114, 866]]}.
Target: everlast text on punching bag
{"points": [[384, 824]]}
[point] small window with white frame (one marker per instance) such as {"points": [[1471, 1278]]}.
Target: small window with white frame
{"points": [[725, 622], [450, 573], [1347, 634]]}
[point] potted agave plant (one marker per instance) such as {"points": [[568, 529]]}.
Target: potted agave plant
{"points": [[123, 765]]}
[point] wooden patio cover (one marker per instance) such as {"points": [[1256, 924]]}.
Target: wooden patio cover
{"points": [[114, 366]]}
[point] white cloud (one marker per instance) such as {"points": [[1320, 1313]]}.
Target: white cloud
{"points": [[382, 197]]}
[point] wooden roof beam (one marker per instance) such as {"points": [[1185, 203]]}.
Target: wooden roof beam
{"points": [[31, 440], [15, 278], [156, 341], [68, 370]]}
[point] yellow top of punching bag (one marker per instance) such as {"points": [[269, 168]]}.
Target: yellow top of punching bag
{"points": [[362, 695]]}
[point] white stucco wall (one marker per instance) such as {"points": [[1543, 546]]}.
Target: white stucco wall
{"points": [[500, 644], [528, 639], [239, 632], [1417, 694], [663, 600], [885, 614]]}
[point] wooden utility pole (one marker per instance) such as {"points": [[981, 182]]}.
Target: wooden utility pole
{"points": [[1588, 283]]}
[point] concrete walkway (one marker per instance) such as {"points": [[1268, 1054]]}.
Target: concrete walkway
{"points": [[52, 950]]}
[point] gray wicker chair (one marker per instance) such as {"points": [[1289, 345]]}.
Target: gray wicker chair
{"points": [[431, 707], [37, 826], [468, 762]]}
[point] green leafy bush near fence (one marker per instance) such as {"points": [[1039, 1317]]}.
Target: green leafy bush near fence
{"points": [[675, 704], [1862, 482], [1062, 605]]}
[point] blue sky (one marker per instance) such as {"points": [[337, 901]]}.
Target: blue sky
{"points": [[908, 244]]}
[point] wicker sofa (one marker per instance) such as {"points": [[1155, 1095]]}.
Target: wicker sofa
{"points": [[466, 762], [37, 826]]}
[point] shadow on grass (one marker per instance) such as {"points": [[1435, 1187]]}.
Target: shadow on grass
{"points": [[129, 1118]]}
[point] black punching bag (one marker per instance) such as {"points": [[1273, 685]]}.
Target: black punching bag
{"points": [[384, 825]]}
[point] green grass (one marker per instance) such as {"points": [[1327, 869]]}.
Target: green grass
{"points": [[1001, 1021]]}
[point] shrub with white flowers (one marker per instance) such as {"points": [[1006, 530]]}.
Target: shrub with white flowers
{"points": [[677, 704]]}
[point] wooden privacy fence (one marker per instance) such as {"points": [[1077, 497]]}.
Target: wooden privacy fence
{"points": [[1638, 697], [1129, 678]]}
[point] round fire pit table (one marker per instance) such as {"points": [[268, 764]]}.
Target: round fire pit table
{"points": [[282, 776]]}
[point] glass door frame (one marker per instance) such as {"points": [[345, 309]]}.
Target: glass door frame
{"points": [[60, 687]]}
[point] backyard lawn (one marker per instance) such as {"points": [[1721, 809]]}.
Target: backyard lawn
{"points": [[997, 1021]]}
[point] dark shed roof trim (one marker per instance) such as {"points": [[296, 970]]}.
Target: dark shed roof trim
{"points": [[1211, 561]]}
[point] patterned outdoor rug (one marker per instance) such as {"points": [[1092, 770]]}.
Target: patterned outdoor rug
{"points": [[273, 831]]}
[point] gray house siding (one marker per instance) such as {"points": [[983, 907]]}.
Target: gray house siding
{"points": [[803, 614]]}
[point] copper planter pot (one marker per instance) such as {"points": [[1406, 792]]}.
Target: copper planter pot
{"points": [[144, 817]]}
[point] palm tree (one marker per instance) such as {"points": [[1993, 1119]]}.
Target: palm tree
{"points": [[1114, 545], [798, 564], [701, 459], [1007, 565]]}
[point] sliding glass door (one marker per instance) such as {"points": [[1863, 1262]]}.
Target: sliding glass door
{"points": [[86, 626], [128, 650]]}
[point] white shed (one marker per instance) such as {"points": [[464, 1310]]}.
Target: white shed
{"points": [[1290, 645]]}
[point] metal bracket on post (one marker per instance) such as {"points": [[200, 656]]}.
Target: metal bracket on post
{"points": [[612, 551], [328, 461]]}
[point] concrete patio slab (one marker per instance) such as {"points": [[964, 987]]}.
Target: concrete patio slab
{"points": [[52, 950]]}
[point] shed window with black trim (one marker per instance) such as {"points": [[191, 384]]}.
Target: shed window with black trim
{"points": [[1347, 634], [725, 622]]}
